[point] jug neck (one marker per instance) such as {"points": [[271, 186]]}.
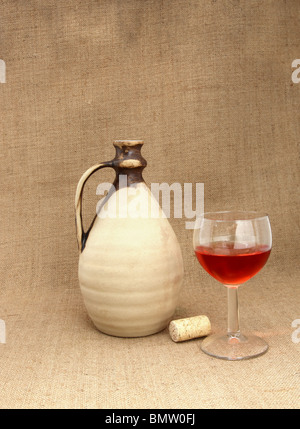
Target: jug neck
{"points": [[128, 161]]}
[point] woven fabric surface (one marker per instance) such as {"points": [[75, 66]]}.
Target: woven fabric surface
{"points": [[207, 85]]}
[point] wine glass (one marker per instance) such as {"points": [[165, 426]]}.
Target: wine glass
{"points": [[232, 246]]}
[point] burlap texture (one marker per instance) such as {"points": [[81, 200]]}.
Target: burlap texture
{"points": [[207, 85]]}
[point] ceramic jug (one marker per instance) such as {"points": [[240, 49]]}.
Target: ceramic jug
{"points": [[130, 262]]}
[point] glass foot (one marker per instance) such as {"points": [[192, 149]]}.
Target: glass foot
{"points": [[234, 347]]}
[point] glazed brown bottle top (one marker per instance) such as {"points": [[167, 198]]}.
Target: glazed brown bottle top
{"points": [[128, 161], [128, 143]]}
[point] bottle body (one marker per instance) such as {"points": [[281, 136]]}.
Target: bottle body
{"points": [[131, 269]]}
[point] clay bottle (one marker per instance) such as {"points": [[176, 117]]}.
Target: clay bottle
{"points": [[130, 262]]}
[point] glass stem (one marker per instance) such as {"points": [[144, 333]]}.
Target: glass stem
{"points": [[233, 312]]}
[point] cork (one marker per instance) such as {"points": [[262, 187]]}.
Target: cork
{"points": [[189, 328]]}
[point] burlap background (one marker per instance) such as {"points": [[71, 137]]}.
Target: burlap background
{"points": [[207, 84]]}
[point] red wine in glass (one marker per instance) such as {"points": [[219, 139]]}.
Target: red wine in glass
{"points": [[232, 263]]}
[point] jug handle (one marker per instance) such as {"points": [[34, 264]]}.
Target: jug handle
{"points": [[81, 234]]}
